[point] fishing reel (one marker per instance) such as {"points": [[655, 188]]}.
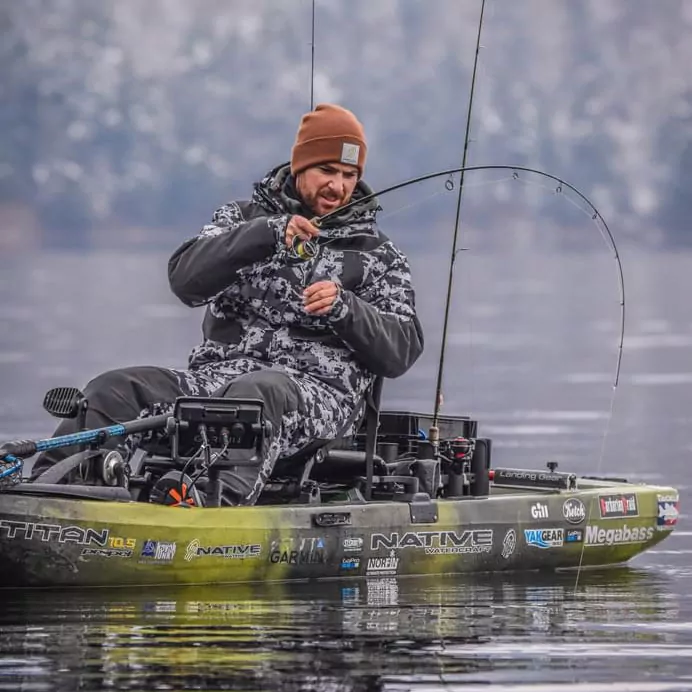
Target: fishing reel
{"points": [[10, 471], [466, 465], [458, 451], [303, 248]]}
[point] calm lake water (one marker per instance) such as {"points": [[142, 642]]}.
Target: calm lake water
{"points": [[532, 355]]}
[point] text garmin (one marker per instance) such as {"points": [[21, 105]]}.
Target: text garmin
{"points": [[307, 551], [298, 557], [595, 535], [437, 542]]}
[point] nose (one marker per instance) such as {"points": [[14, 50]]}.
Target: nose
{"points": [[336, 183]]}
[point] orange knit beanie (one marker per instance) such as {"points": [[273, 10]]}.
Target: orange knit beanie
{"points": [[329, 134]]}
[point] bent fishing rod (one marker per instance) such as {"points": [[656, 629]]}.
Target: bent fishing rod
{"points": [[307, 248]]}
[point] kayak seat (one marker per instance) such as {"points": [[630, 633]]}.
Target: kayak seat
{"points": [[335, 460]]}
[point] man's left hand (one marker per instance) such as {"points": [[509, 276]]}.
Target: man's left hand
{"points": [[319, 297]]}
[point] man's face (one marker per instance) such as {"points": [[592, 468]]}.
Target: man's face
{"points": [[327, 186]]}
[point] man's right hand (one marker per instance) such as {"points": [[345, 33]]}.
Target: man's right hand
{"points": [[301, 227]]}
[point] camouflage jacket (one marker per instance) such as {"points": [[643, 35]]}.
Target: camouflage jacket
{"points": [[240, 267]]}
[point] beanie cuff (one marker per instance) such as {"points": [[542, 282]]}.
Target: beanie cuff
{"points": [[340, 149]]}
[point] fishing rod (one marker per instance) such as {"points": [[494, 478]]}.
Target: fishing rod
{"points": [[434, 431], [26, 448]]}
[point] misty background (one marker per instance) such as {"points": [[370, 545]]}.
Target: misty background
{"points": [[125, 124], [129, 122]]}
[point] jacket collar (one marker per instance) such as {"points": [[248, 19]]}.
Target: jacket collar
{"points": [[277, 193]]}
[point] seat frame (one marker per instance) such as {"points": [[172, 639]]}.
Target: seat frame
{"points": [[301, 465]]}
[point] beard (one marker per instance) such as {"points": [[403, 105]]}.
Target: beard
{"points": [[323, 201]]}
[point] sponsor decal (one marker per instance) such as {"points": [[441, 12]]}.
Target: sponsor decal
{"points": [[668, 512], [383, 565], [158, 551], [353, 544], [120, 543], [574, 510], [309, 551], [196, 549], [350, 563], [509, 544], [298, 557], [618, 506], [544, 538], [574, 536], [539, 511], [595, 535], [436, 542], [106, 552], [53, 533]]}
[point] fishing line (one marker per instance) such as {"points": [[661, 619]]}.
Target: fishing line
{"points": [[604, 231], [312, 60], [602, 228]]}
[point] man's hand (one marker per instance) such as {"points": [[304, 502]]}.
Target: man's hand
{"points": [[301, 227], [319, 297]]}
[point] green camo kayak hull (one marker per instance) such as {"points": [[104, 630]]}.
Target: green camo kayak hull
{"points": [[48, 541]]}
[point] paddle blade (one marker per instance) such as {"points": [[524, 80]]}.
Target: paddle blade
{"points": [[63, 402]]}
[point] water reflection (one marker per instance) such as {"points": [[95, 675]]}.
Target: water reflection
{"points": [[355, 635]]}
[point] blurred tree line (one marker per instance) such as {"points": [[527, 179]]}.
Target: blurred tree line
{"points": [[141, 117]]}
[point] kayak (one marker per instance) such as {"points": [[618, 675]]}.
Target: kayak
{"points": [[367, 510], [49, 541]]}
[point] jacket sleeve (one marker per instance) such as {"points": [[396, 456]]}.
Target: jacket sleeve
{"points": [[379, 324], [204, 266]]}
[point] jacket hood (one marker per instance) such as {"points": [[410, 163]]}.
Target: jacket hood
{"points": [[277, 193]]}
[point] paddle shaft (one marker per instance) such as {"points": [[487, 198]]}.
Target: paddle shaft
{"points": [[24, 448]]}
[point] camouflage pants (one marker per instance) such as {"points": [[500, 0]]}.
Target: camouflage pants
{"points": [[299, 407]]}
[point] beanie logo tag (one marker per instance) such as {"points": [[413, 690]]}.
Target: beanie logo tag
{"points": [[349, 153]]}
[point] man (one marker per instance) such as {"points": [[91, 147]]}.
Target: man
{"points": [[307, 336]]}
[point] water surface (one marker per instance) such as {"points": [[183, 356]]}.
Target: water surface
{"points": [[532, 354]]}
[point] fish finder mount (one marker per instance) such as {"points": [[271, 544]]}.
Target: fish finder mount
{"points": [[209, 427]]}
